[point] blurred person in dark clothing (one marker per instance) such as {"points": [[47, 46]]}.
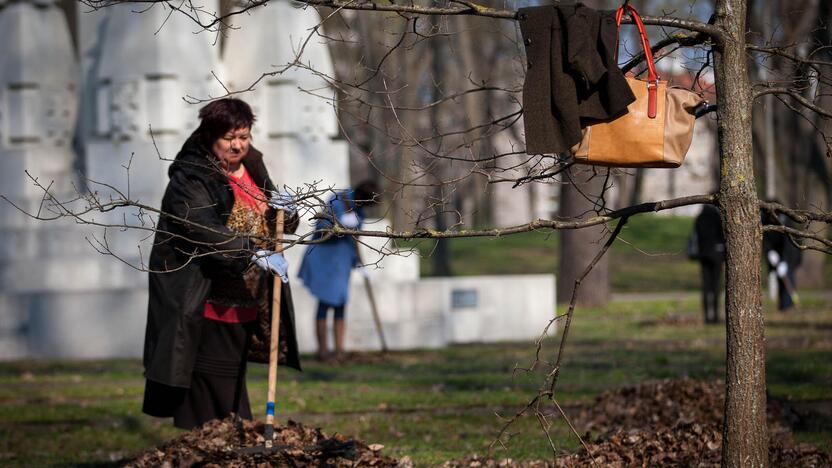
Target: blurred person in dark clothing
{"points": [[707, 245], [782, 257]]}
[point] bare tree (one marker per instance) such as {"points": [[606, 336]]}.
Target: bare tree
{"points": [[792, 147]]}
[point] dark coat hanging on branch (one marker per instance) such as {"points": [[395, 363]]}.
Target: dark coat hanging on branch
{"points": [[572, 78]]}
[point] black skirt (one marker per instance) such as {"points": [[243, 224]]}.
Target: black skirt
{"points": [[218, 383]]}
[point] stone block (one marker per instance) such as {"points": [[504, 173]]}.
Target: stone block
{"points": [[137, 169], [13, 327], [51, 166], [94, 325], [70, 274], [49, 240], [434, 312]]}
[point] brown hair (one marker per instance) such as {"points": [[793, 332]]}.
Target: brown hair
{"points": [[221, 116]]}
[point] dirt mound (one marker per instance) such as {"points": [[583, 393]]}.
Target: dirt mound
{"points": [[216, 443]]}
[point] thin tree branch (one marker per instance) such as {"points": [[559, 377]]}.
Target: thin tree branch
{"points": [[682, 39], [468, 8], [797, 97]]}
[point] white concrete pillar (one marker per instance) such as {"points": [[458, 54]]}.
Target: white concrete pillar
{"points": [[295, 108], [38, 98], [38, 109], [139, 68]]}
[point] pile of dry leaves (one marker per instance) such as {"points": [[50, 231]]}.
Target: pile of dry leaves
{"points": [[227, 443], [661, 423]]}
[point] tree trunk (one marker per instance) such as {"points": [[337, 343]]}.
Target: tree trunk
{"points": [[578, 247], [745, 436], [440, 258]]}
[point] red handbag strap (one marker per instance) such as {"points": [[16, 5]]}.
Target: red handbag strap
{"points": [[652, 76]]}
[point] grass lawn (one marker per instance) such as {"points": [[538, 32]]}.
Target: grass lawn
{"points": [[431, 405]]}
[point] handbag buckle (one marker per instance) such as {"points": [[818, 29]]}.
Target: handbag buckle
{"points": [[655, 83]]}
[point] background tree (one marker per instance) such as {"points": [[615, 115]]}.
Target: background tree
{"points": [[791, 144]]}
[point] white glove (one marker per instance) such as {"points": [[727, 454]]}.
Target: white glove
{"points": [[272, 261], [349, 220], [782, 269], [283, 201], [773, 257]]}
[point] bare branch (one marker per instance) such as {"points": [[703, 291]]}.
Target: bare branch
{"points": [[682, 39], [797, 97], [804, 234], [538, 224], [468, 8]]}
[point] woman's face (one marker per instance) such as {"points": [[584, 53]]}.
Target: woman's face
{"points": [[232, 147]]}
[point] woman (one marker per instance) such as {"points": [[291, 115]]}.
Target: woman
{"points": [[326, 266], [207, 290]]}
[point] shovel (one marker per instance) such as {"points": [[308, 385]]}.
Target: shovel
{"points": [[273, 355], [372, 297], [268, 432]]}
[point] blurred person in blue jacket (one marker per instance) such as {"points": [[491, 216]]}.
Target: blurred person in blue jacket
{"points": [[326, 266]]}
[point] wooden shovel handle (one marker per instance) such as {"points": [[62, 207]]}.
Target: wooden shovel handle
{"points": [[275, 338], [372, 297]]}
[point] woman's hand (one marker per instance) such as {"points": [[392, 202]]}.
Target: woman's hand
{"points": [[272, 261], [349, 220], [281, 200]]}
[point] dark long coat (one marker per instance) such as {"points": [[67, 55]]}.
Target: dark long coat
{"points": [[192, 241], [572, 79], [709, 236]]}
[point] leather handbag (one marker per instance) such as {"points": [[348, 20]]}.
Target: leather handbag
{"points": [[656, 130]]}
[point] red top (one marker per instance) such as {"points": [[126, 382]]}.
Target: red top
{"points": [[247, 194]]}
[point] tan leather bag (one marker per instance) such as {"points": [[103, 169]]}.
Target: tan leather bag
{"points": [[657, 129]]}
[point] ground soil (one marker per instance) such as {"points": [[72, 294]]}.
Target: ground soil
{"points": [[658, 423]]}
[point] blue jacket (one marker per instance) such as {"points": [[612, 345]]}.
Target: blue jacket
{"points": [[326, 267]]}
